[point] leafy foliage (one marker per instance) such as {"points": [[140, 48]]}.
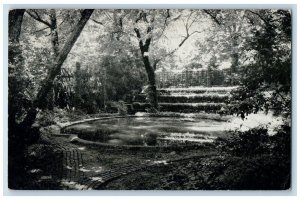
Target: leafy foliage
{"points": [[19, 84], [82, 90], [263, 161], [266, 81], [245, 161], [123, 77]]}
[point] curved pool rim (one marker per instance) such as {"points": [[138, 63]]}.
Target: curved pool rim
{"points": [[75, 139]]}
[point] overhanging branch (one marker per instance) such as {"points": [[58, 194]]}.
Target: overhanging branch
{"points": [[40, 30], [174, 50], [214, 17], [37, 17], [261, 17]]}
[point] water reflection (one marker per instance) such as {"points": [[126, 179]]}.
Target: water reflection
{"points": [[148, 131]]}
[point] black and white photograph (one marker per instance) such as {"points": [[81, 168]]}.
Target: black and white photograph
{"points": [[150, 99]]}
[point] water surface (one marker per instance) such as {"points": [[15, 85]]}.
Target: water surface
{"points": [[149, 131]]}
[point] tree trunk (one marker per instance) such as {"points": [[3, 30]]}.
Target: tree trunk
{"points": [[55, 70], [233, 67], [15, 24], [208, 77], [54, 33], [55, 49], [234, 58], [150, 70], [15, 135], [14, 56], [151, 90], [234, 62]]}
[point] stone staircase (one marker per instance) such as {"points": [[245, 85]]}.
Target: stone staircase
{"points": [[187, 100]]}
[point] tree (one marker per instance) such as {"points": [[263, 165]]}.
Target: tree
{"points": [[145, 30], [15, 64], [266, 81], [149, 27], [232, 28], [123, 76], [55, 70], [16, 98], [38, 103], [56, 24], [226, 39], [49, 24], [83, 97], [21, 134]]}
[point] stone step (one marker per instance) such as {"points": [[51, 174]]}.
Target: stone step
{"points": [[191, 107], [190, 92], [188, 98], [182, 107], [197, 90]]}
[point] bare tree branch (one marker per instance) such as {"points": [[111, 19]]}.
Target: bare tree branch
{"points": [[212, 16], [194, 20], [38, 18], [40, 30], [174, 50], [176, 18], [144, 46], [62, 22], [108, 16], [138, 34], [97, 22], [139, 17], [164, 27]]}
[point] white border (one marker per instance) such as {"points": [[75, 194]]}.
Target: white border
{"points": [[109, 4]]}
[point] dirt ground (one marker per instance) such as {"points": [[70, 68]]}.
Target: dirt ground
{"points": [[63, 162], [58, 163]]}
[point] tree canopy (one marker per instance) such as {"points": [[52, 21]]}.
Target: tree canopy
{"points": [[125, 47]]}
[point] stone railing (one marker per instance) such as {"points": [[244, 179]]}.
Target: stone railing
{"points": [[189, 78]]}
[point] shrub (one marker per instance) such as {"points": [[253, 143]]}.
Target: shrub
{"points": [[254, 141], [256, 160]]}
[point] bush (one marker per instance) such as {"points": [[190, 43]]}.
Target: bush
{"points": [[263, 172], [256, 160], [248, 143], [45, 118]]}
